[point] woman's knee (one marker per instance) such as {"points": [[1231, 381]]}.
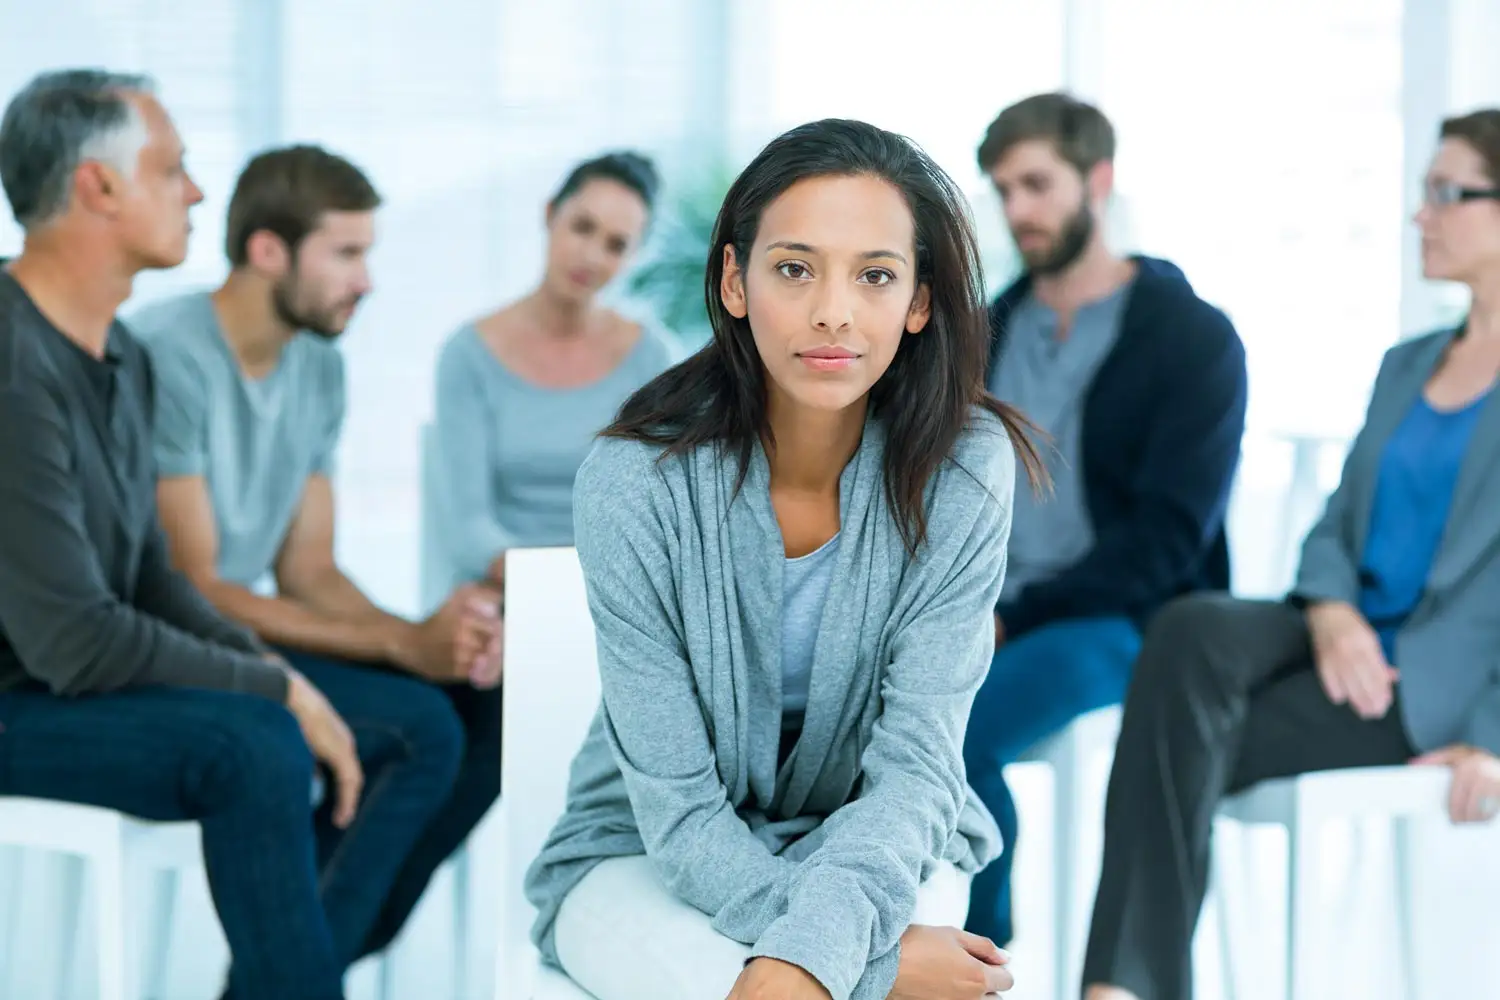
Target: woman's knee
{"points": [[621, 933]]}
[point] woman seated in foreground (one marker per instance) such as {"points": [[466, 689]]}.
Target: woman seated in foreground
{"points": [[1384, 654], [793, 543]]}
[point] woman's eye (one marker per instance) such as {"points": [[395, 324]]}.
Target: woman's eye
{"points": [[878, 276], [792, 269]]}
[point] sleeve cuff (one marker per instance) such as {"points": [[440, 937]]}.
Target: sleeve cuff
{"points": [[263, 678], [877, 979], [172, 464], [825, 932]]}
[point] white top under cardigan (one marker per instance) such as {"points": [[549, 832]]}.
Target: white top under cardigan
{"points": [[818, 862]]}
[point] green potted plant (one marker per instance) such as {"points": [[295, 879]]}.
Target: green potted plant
{"points": [[670, 280]]}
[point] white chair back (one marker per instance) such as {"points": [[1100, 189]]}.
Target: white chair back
{"points": [[551, 695]]}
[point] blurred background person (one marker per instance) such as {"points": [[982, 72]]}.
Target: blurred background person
{"points": [[1383, 654], [522, 391], [250, 406], [1142, 387]]}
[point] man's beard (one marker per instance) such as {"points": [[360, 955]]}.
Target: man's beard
{"points": [[1071, 244], [322, 322]]}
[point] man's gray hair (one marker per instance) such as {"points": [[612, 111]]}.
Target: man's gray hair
{"points": [[58, 121]]}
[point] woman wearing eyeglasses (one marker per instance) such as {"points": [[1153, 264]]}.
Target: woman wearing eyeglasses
{"points": [[1386, 653]]}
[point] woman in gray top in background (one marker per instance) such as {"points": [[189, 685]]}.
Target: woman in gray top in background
{"points": [[793, 543], [522, 392]]}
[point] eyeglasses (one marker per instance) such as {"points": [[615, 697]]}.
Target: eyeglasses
{"points": [[1441, 194]]}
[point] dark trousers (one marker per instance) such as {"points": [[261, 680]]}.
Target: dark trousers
{"points": [[1224, 695], [1037, 684], [472, 718]]}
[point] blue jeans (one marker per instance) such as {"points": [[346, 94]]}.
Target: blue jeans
{"points": [[1037, 684], [470, 792], [296, 899], [411, 744]]}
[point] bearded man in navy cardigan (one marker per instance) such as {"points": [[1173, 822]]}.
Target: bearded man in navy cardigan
{"points": [[1141, 387]]}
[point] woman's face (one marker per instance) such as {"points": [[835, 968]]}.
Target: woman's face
{"points": [[829, 288], [591, 235], [1460, 216]]}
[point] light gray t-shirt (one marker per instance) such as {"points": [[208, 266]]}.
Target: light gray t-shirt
{"points": [[509, 449], [804, 592], [255, 441], [1047, 379]]}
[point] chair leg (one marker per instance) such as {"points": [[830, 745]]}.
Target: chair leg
{"points": [[11, 894], [1065, 782], [461, 923], [158, 946], [1219, 889], [385, 987], [1403, 853], [111, 918], [73, 872], [1302, 952]]}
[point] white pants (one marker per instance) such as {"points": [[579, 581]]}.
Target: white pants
{"points": [[622, 936]]}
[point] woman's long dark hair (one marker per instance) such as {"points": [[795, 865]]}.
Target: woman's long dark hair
{"points": [[719, 394]]}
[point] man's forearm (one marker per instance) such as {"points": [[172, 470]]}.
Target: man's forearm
{"points": [[290, 621]]}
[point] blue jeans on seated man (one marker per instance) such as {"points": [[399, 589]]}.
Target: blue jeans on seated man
{"points": [[1037, 684], [296, 900], [473, 718]]}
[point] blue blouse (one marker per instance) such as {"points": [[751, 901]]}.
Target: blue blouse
{"points": [[1413, 491]]}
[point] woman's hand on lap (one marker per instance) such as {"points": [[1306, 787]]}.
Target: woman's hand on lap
{"points": [[945, 963]]}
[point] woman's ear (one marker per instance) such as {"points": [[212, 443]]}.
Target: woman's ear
{"points": [[921, 309], [732, 286]]}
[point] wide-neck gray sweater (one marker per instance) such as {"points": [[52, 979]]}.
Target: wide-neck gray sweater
{"points": [[816, 862]]}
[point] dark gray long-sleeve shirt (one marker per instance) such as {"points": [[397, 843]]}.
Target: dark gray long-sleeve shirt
{"points": [[89, 602]]}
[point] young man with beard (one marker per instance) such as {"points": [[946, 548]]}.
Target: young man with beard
{"points": [[250, 402], [1140, 386]]}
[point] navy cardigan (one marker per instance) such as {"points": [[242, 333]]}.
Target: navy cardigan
{"points": [[1162, 422]]}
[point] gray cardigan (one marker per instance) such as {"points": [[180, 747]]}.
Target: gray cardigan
{"points": [[818, 863], [1448, 651]]}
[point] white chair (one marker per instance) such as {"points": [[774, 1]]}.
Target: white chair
{"points": [[1077, 805], [435, 583], [1302, 805], [551, 695], [124, 857]]}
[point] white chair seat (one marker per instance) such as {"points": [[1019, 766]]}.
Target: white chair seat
{"points": [[125, 857], [553, 985], [1094, 732], [1367, 791]]}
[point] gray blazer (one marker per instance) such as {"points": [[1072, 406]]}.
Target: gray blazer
{"points": [[1449, 649]]}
